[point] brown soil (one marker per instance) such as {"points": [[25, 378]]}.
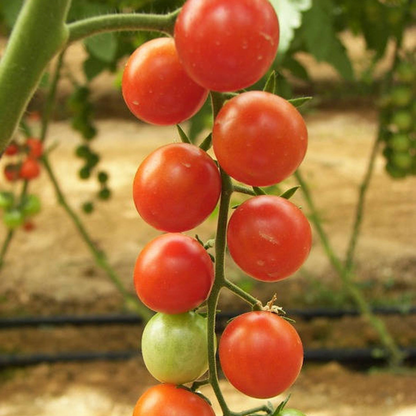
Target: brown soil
{"points": [[50, 271]]}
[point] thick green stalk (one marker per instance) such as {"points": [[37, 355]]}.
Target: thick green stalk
{"points": [[39, 33]]}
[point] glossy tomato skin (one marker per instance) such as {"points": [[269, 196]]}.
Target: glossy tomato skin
{"points": [[176, 187], [269, 237], [261, 354], [174, 347], [156, 87], [259, 138], [173, 274], [227, 45], [171, 400]]}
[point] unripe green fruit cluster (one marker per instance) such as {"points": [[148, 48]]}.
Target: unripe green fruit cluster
{"points": [[398, 118]]}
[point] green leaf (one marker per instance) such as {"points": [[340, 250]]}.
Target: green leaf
{"points": [[271, 83], [182, 135], [289, 13], [321, 39], [102, 46], [93, 66], [297, 102], [290, 192], [206, 143], [258, 191]]}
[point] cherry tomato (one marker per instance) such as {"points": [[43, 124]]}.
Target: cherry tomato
{"points": [[169, 400], [259, 138], [6, 200], [11, 172], [227, 45], [174, 347], [173, 274], [29, 169], [34, 147], [31, 205], [269, 237], [12, 149], [176, 187], [13, 218], [261, 354], [156, 87]]}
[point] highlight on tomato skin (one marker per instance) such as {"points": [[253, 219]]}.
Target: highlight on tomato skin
{"points": [[156, 88], [261, 354], [227, 45], [173, 274], [269, 237], [168, 400], [259, 138], [176, 187]]}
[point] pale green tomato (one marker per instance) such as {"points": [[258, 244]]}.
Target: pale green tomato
{"points": [[174, 347], [291, 412]]}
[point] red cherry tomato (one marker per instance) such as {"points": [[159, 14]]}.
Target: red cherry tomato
{"points": [[261, 354], [169, 400], [227, 45], [156, 87], [176, 187], [12, 149], [29, 169], [11, 172], [173, 274], [34, 147], [269, 237], [259, 138]]}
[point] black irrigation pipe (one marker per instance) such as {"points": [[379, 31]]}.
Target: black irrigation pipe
{"points": [[356, 357], [131, 319]]}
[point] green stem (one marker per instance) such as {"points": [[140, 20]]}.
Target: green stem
{"points": [[39, 33], [242, 293], [220, 245], [99, 255], [123, 21], [395, 355]]}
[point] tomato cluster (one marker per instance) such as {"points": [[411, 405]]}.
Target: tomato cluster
{"points": [[22, 164], [398, 120], [258, 139]]}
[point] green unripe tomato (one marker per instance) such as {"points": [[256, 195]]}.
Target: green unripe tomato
{"points": [[402, 160], [13, 218], [395, 172], [174, 347], [400, 142], [401, 95], [88, 207], [291, 412], [6, 200], [104, 194], [403, 120], [31, 205]]}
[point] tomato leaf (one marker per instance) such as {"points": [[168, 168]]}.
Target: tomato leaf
{"points": [[206, 143], [290, 18], [270, 85], [281, 406], [318, 29], [296, 68], [259, 191], [93, 66], [297, 102], [102, 46], [290, 192]]}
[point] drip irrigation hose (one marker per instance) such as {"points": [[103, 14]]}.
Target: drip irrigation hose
{"points": [[356, 357], [131, 319]]}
